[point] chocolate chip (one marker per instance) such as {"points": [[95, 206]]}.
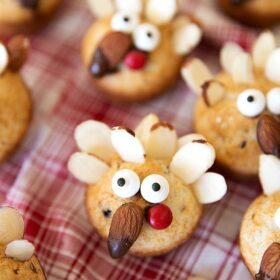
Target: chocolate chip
{"points": [[107, 213], [243, 144], [16, 271], [100, 65], [33, 268], [30, 4]]}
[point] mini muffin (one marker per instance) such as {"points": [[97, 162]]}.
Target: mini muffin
{"points": [[145, 189], [25, 15], [232, 104], [259, 13], [17, 259], [15, 100], [136, 53]]}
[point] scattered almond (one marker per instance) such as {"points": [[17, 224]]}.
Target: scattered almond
{"points": [[125, 228], [269, 173], [21, 250], [129, 148], [270, 265], [213, 92], [242, 69], [262, 48], [86, 168], [210, 187], [268, 134], [115, 46], [196, 73], [95, 138], [11, 225], [228, 54], [18, 49]]}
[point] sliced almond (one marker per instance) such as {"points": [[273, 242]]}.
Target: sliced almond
{"points": [[269, 173], [186, 37], [134, 6], [161, 12], [277, 217], [242, 69], [20, 250], [142, 131], [101, 8], [213, 92], [192, 160], [189, 138], [262, 48], [95, 138], [127, 145], [87, 168], [196, 73], [228, 54], [11, 225], [4, 58], [210, 187], [272, 67], [161, 142]]}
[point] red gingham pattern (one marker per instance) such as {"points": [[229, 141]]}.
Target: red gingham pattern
{"points": [[36, 181]]}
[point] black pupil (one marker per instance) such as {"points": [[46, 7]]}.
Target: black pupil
{"points": [[121, 182], [149, 34], [156, 187], [250, 98], [126, 19]]}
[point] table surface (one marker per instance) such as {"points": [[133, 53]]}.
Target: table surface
{"points": [[36, 181]]}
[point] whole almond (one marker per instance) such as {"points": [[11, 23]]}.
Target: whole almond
{"points": [[270, 265], [268, 134], [18, 50], [125, 228], [115, 46]]}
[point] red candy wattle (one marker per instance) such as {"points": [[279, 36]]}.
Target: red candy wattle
{"points": [[159, 216], [135, 60]]}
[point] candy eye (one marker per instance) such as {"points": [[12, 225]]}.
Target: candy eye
{"points": [[125, 183], [273, 101], [251, 103], [155, 188], [277, 217], [4, 58], [146, 37], [124, 22]]}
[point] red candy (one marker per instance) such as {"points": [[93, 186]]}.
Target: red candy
{"points": [[135, 60], [159, 216]]}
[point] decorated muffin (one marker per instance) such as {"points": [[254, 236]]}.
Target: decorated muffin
{"points": [[136, 53], [15, 100], [24, 15], [258, 13], [260, 230], [232, 104], [17, 259], [145, 189]]}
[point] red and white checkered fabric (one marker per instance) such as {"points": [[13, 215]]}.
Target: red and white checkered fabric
{"points": [[36, 181]]}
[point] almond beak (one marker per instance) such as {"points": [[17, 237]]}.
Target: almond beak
{"points": [[268, 134], [125, 228]]}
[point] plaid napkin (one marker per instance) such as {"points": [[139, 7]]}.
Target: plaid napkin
{"points": [[36, 181]]}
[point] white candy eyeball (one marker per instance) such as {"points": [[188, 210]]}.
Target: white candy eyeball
{"points": [[277, 217], [125, 183], [251, 103], [155, 188], [273, 101], [124, 22], [4, 58], [146, 37]]}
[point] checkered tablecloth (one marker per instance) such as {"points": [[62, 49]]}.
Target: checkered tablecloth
{"points": [[36, 181]]}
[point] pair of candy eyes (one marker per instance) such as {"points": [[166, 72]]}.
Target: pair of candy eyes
{"points": [[252, 102], [146, 36], [154, 188]]}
